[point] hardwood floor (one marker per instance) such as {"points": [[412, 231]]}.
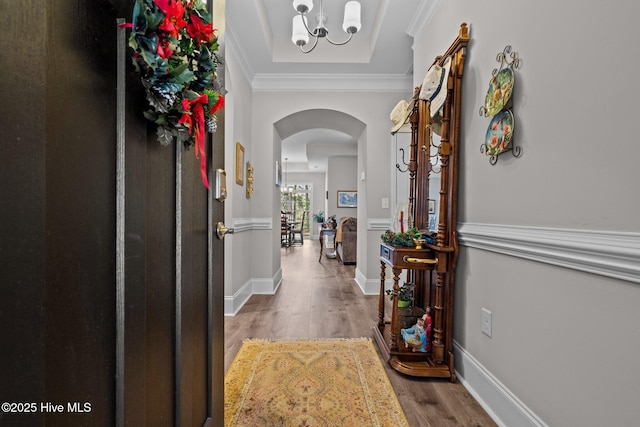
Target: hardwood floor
{"points": [[322, 300]]}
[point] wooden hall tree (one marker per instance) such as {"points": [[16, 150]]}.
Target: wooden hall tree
{"points": [[432, 268]]}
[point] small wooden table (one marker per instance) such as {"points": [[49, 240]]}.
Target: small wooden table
{"points": [[326, 232], [387, 334]]}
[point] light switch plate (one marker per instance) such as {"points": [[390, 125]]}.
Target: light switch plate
{"points": [[486, 322]]}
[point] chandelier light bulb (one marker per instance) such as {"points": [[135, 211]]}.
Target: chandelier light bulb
{"points": [[303, 6], [351, 23], [300, 35]]}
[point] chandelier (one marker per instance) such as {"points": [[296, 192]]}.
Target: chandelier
{"points": [[301, 31]]}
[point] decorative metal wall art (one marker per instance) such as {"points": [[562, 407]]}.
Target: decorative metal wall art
{"points": [[249, 180], [498, 105]]}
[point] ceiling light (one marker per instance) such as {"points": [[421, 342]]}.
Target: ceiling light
{"points": [[301, 31]]}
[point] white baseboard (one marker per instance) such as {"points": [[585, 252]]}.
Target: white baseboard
{"points": [[499, 402], [367, 286], [253, 286], [234, 303]]}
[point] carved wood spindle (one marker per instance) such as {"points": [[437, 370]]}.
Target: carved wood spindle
{"points": [[443, 231], [381, 296], [413, 165], [395, 325]]}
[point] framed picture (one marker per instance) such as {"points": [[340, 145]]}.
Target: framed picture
{"points": [[347, 199], [239, 164], [433, 222], [278, 174], [432, 206]]}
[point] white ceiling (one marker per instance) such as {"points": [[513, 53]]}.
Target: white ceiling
{"points": [[380, 51]]}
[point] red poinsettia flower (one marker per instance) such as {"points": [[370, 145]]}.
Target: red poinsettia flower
{"points": [[173, 16], [199, 31], [163, 49]]}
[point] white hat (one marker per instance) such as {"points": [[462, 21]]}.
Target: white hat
{"points": [[399, 115], [436, 124], [434, 86]]}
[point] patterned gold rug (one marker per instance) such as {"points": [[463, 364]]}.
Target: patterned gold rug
{"points": [[333, 382]]}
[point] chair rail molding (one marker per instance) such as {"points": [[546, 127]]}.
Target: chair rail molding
{"points": [[248, 224], [613, 254], [378, 224]]}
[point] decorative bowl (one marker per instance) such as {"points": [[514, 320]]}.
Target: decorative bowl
{"points": [[420, 243]]}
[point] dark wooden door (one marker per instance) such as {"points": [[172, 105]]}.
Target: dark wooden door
{"points": [[111, 284], [172, 298]]}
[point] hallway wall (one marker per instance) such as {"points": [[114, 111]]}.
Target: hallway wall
{"points": [[551, 242], [263, 144]]}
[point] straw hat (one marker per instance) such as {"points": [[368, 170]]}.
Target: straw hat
{"points": [[399, 115]]}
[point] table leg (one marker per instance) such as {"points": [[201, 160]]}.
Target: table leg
{"points": [[395, 325], [381, 296], [321, 247]]}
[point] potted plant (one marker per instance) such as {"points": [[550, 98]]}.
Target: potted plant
{"points": [[331, 223], [408, 238], [405, 294], [319, 217]]}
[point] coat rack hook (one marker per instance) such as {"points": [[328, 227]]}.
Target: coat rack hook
{"points": [[405, 163]]}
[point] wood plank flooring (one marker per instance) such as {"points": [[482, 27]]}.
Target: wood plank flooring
{"points": [[322, 300]]}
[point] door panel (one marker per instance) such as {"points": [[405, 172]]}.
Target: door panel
{"points": [[173, 353], [192, 298], [140, 340]]}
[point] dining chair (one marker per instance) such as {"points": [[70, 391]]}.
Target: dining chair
{"points": [[297, 231], [285, 232]]}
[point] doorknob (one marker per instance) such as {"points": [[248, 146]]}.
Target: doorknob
{"points": [[221, 230]]}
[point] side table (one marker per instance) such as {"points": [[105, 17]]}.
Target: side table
{"points": [[326, 232]]}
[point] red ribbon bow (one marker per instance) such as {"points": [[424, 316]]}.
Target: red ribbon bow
{"points": [[194, 117]]}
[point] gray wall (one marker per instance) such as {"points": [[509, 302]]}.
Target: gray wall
{"points": [[550, 240], [341, 176]]}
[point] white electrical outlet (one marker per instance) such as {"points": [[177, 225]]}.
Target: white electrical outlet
{"points": [[486, 322]]}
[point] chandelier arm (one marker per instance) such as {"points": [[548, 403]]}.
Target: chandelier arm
{"points": [[315, 43], [321, 31], [339, 44], [304, 21]]}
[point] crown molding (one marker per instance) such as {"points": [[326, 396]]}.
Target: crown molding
{"points": [[231, 44], [607, 253], [332, 83], [425, 12]]}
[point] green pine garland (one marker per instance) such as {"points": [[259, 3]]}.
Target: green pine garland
{"points": [[175, 50]]}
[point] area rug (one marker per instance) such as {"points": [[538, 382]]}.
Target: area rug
{"points": [[328, 382]]}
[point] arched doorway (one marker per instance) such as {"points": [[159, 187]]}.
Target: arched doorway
{"points": [[319, 153]]}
